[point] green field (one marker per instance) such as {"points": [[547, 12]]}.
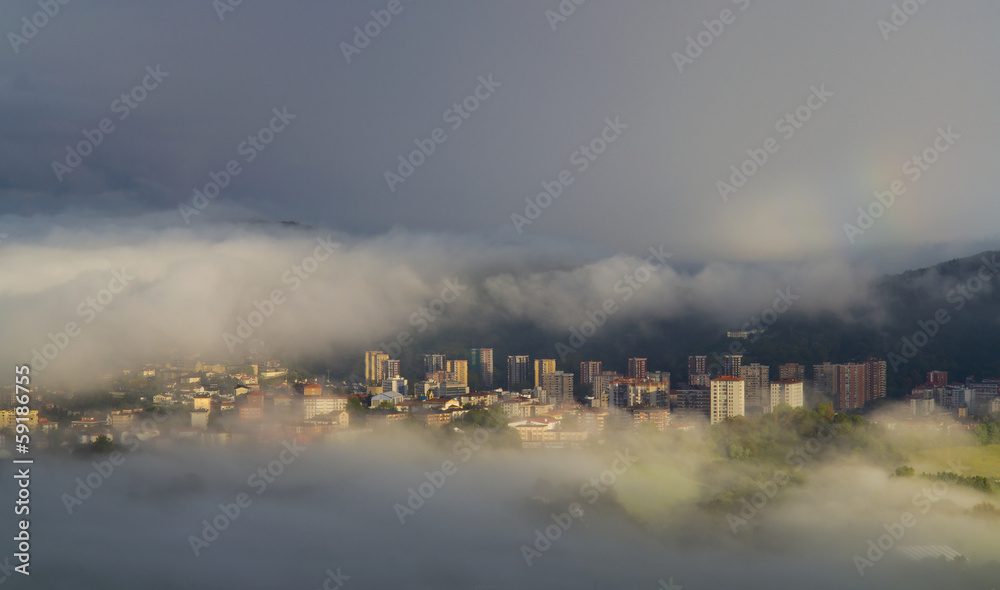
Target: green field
{"points": [[980, 460]]}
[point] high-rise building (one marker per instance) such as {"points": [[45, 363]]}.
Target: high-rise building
{"points": [[558, 387], [727, 399], [850, 386], [433, 363], [938, 378], [458, 372], [374, 365], [823, 379], [589, 370], [785, 391], [627, 393], [697, 365], [637, 369], [875, 379], [390, 369], [693, 402], [481, 363], [700, 380], [659, 377], [731, 364], [543, 366], [758, 385], [792, 371], [517, 370], [396, 385], [600, 386]]}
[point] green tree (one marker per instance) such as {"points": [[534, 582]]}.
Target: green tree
{"points": [[355, 407], [103, 445]]}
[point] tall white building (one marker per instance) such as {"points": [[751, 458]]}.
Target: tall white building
{"points": [[727, 399], [785, 391]]}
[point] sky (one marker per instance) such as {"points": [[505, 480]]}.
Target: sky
{"points": [[684, 121], [539, 150]]}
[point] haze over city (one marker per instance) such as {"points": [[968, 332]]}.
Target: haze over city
{"points": [[672, 257]]}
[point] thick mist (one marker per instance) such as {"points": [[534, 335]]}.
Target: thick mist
{"points": [[637, 518], [145, 288]]}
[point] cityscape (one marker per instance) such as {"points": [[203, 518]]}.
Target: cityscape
{"points": [[499, 296], [214, 404], [218, 404]]}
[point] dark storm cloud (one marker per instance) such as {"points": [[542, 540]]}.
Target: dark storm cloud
{"points": [[657, 183]]}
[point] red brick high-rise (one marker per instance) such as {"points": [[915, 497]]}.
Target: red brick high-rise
{"points": [[938, 378], [850, 386], [637, 369]]}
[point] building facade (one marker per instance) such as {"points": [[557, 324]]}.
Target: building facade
{"points": [[637, 369], [543, 366], [517, 370], [697, 365], [375, 365], [792, 371], [727, 399], [758, 385], [558, 387], [481, 363], [786, 391], [589, 370]]}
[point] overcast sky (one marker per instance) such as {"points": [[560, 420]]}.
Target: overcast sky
{"points": [[553, 89], [116, 112]]}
